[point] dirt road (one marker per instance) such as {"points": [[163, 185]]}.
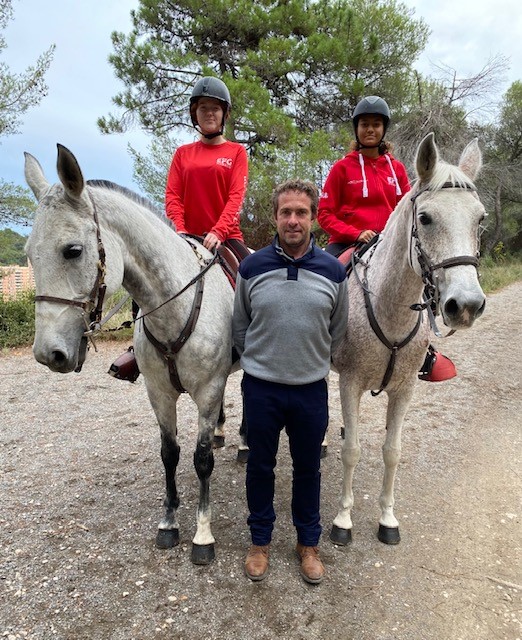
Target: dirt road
{"points": [[82, 489]]}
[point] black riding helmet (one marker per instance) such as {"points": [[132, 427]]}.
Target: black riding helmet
{"points": [[210, 87], [371, 105]]}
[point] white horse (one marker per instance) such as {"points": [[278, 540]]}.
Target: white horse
{"points": [[88, 237], [431, 240]]}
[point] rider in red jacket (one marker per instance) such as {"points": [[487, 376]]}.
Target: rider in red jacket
{"points": [[207, 179], [361, 192], [363, 188]]}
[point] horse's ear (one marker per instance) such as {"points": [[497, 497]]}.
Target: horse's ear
{"points": [[426, 158], [34, 176], [69, 172], [471, 159]]}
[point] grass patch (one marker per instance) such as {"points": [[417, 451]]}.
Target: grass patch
{"points": [[494, 276]]}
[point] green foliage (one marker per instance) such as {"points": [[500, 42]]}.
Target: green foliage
{"points": [[500, 182], [12, 248], [17, 321], [17, 205], [292, 67], [295, 71], [19, 92]]}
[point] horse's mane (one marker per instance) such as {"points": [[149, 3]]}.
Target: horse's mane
{"points": [[444, 173], [112, 186]]}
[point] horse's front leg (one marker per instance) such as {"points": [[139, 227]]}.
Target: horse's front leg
{"points": [[203, 542], [341, 532], [398, 403], [164, 405], [168, 529]]}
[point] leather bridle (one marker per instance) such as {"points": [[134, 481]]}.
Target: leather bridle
{"points": [[93, 306], [428, 270], [427, 267]]}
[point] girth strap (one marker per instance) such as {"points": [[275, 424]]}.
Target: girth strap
{"points": [[172, 348]]}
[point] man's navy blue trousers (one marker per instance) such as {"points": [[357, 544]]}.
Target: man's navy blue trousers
{"points": [[303, 410]]}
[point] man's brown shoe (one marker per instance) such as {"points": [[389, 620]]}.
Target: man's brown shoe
{"points": [[312, 568], [256, 563]]}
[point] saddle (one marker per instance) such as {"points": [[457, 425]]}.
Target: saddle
{"points": [[346, 257], [230, 254]]}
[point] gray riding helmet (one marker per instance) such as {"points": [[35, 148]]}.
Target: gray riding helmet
{"points": [[210, 87], [371, 105]]}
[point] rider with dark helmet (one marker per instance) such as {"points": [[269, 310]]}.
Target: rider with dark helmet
{"points": [[364, 187], [207, 179], [360, 193], [206, 185]]}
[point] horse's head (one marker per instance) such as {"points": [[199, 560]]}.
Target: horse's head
{"points": [[447, 217], [68, 261]]}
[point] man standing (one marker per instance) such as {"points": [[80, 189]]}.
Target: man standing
{"points": [[290, 314]]}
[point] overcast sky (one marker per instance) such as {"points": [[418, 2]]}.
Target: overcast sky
{"points": [[465, 35]]}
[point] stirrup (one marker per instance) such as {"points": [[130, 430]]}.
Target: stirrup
{"points": [[436, 367], [125, 366]]}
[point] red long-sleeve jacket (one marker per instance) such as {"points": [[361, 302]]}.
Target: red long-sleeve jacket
{"points": [[205, 188], [360, 193]]}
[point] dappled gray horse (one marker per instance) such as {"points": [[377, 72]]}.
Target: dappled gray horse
{"points": [[89, 239], [431, 241]]}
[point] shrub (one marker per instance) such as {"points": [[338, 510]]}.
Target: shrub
{"points": [[17, 321]]}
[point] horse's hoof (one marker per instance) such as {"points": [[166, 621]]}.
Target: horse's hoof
{"points": [[202, 553], [242, 456], [340, 536], [218, 442], [389, 535], [343, 431], [324, 451], [167, 538]]}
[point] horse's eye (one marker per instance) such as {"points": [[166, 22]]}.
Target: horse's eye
{"points": [[72, 251], [424, 218]]}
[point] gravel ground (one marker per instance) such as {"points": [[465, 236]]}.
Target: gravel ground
{"points": [[82, 490]]}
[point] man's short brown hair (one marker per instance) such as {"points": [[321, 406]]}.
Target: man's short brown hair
{"points": [[301, 186]]}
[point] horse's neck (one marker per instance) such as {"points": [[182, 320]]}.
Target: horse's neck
{"points": [[391, 279], [157, 262]]}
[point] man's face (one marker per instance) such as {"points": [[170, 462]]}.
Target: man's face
{"points": [[294, 222]]}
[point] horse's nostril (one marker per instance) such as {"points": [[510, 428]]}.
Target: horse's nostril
{"points": [[451, 307], [58, 357]]}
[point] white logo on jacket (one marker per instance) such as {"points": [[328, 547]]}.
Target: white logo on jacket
{"points": [[225, 162]]}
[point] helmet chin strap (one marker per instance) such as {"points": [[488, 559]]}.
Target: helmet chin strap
{"points": [[210, 136]]}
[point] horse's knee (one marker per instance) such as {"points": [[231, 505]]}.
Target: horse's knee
{"points": [[204, 460], [391, 455], [169, 451], [350, 455]]}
